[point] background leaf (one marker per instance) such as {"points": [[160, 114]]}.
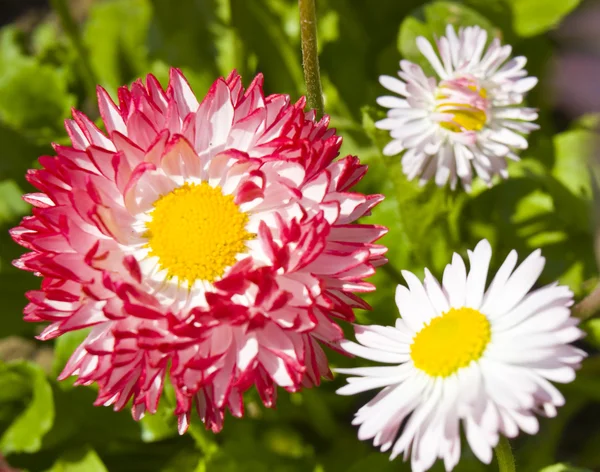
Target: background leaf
{"points": [[115, 36], [26, 382], [530, 19], [79, 460], [563, 468]]}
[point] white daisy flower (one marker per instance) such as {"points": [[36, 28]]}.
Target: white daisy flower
{"points": [[460, 353], [467, 118]]}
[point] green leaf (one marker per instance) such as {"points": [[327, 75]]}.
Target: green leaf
{"points": [[561, 467], [51, 46], [381, 179], [538, 450], [345, 61], [430, 21], [329, 28], [34, 98], [277, 56], [45, 38], [441, 14], [11, 47], [17, 154], [319, 414], [187, 459], [115, 36], [251, 457], [532, 209], [573, 152], [589, 121], [285, 442], [592, 328], [25, 433], [80, 460], [530, 17], [78, 421], [13, 284], [11, 204], [379, 462], [161, 425]]}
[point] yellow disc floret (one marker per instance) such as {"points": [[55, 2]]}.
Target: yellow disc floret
{"points": [[196, 232], [450, 342], [465, 117]]}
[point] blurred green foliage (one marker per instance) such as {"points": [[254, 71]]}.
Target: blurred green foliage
{"points": [[547, 203]]}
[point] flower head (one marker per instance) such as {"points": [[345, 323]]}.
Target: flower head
{"points": [[467, 118], [214, 240], [464, 354]]}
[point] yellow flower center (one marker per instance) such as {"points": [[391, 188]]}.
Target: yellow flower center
{"points": [[450, 342], [469, 115], [196, 232]]}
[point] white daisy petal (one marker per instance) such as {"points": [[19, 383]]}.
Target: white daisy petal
{"points": [[393, 84], [436, 295], [372, 354], [480, 261], [409, 308], [392, 102], [393, 147], [519, 283], [362, 384], [477, 441], [462, 356], [420, 295], [491, 298], [525, 85], [374, 371], [427, 50], [455, 281]]}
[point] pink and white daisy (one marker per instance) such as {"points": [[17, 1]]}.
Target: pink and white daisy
{"points": [[468, 117], [464, 354], [213, 240]]}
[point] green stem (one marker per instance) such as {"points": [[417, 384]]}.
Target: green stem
{"points": [[310, 57], [504, 455], [71, 29], [589, 306]]}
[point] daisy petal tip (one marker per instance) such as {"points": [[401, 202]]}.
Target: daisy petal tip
{"points": [[483, 247]]}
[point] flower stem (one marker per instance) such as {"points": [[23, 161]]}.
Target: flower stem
{"points": [[589, 306], [504, 455], [310, 57], [71, 29]]}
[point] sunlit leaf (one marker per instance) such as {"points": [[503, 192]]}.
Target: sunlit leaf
{"points": [[574, 150], [34, 98], [564, 468], [11, 204], [531, 17], [161, 425], [115, 36], [25, 432], [79, 460]]}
